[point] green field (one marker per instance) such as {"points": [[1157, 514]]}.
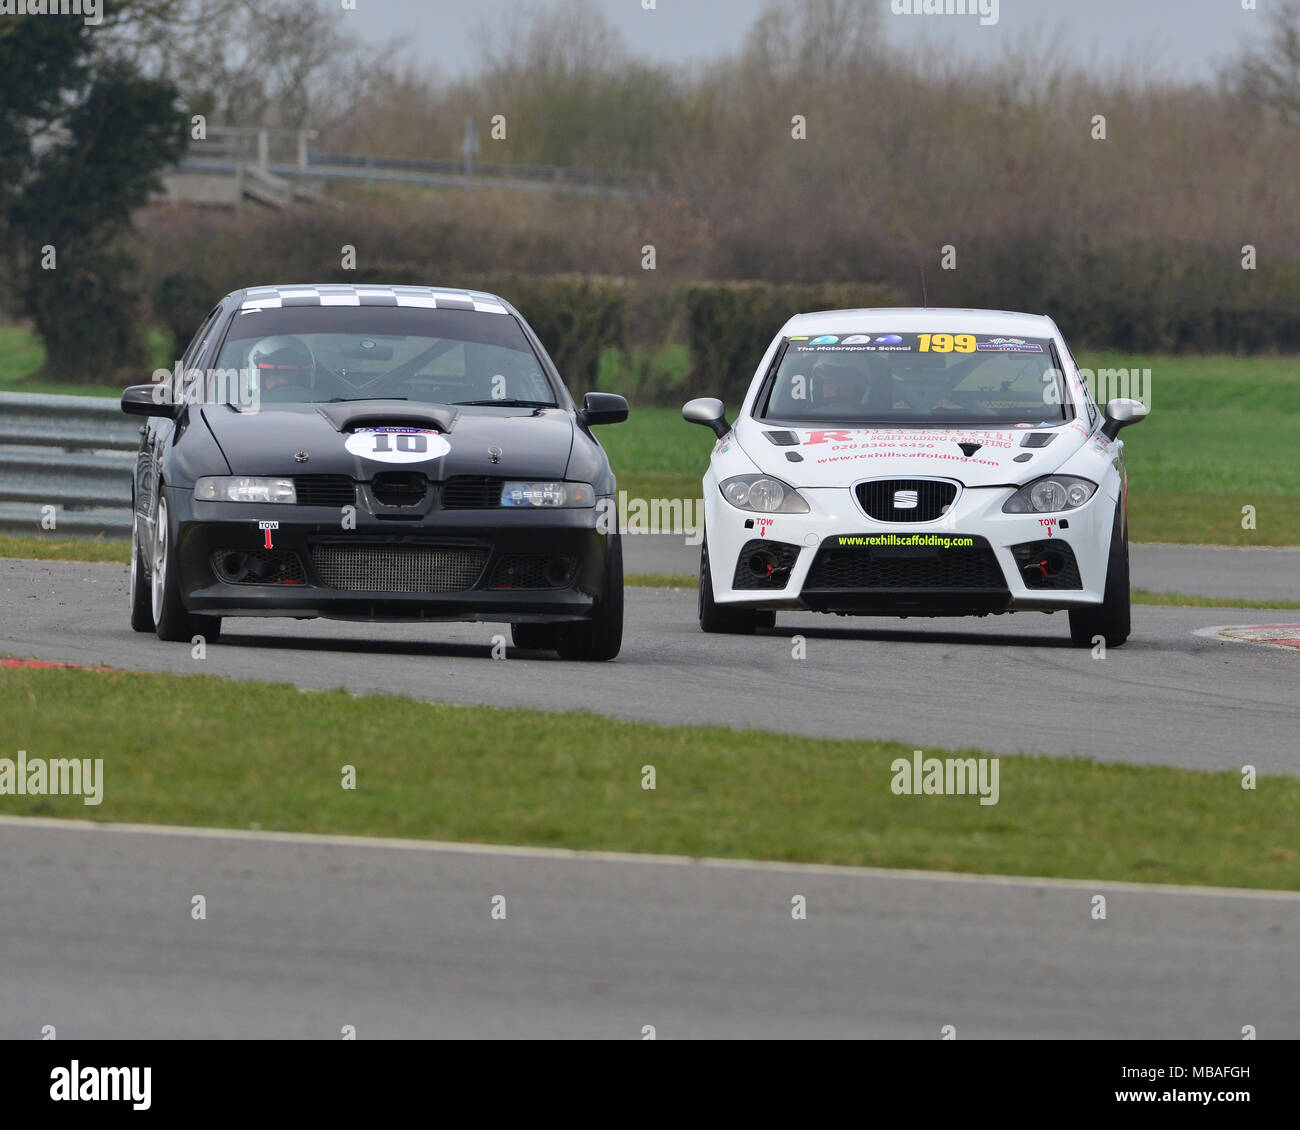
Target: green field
{"points": [[22, 355], [573, 780]]}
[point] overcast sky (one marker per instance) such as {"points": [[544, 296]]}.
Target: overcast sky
{"points": [[1182, 38]]}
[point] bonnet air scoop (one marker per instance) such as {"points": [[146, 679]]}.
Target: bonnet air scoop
{"points": [[349, 416]]}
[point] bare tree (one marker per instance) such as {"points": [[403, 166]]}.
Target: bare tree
{"points": [[284, 63], [1270, 73]]}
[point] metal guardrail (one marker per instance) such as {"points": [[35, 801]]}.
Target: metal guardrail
{"points": [[275, 167], [384, 170], [554, 175], [286, 152], [74, 453]]}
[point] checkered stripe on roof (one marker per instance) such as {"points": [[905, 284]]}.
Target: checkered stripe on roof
{"points": [[421, 297]]}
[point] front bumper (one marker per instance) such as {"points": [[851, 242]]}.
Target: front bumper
{"points": [[497, 565], [976, 560]]}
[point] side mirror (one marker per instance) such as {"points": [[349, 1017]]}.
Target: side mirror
{"points": [[603, 408], [709, 411], [1120, 413], [149, 400]]}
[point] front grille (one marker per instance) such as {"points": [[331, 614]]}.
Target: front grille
{"points": [[258, 567], [325, 490], [887, 567], [933, 497], [469, 492], [1048, 564], [370, 568], [400, 488], [764, 564], [530, 571]]}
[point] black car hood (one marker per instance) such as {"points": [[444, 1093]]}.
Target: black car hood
{"points": [[531, 443]]}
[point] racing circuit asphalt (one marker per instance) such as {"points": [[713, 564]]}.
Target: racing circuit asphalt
{"points": [[1006, 684], [304, 936]]}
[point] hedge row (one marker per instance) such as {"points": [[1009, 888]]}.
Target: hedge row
{"points": [[725, 327], [730, 325], [659, 343]]}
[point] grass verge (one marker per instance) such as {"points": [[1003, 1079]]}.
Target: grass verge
{"points": [[661, 580], [204, 751], [66, 549], [1185, 600]]}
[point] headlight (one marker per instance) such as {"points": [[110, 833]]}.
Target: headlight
{"points": [[763, 494], [236, 488], [548, 495], [1050, 495]]}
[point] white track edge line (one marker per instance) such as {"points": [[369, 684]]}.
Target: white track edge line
{"points": [[435, 846]]}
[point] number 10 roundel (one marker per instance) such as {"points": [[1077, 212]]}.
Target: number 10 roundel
{"points": [[397, 445]]}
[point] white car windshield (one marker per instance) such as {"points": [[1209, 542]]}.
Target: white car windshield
{"points": [[915, 378]]}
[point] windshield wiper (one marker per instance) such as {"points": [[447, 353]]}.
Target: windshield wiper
{"points": [[350, 399], [502, 404]]}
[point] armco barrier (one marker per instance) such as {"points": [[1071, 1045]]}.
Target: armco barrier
{"points": [[74, 453]]}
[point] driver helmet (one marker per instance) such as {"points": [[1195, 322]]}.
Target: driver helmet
{"points": [[837, 385], [283, 360]]}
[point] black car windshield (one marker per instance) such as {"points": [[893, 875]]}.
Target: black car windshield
{"points": [[302, 354], [915, 379]]}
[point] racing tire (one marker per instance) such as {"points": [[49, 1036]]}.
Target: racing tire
{"points": [[715, 618], [140, 596], [599, 639], [171, 620], [1111, 619], [535, 637]]}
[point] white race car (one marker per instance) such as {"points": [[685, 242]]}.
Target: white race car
{"points": [[917, 463]]}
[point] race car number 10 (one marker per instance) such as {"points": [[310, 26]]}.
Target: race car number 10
{"points": [[402, 442], [394, 445]]}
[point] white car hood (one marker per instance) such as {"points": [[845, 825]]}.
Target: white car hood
{"points": [[837, 457]]}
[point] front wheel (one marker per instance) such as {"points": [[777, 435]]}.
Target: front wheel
{"points": [[721, 619], [600, 638], [140, 594], [1110, 620], [171, 620]]}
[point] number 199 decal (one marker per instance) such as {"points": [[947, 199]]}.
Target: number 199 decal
{"points": [[397, 445], [946, 343]]}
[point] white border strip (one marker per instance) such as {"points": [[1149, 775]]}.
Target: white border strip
{"points": [[323, 840]]}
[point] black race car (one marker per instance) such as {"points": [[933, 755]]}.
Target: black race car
{"points": [[375, 453]]}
